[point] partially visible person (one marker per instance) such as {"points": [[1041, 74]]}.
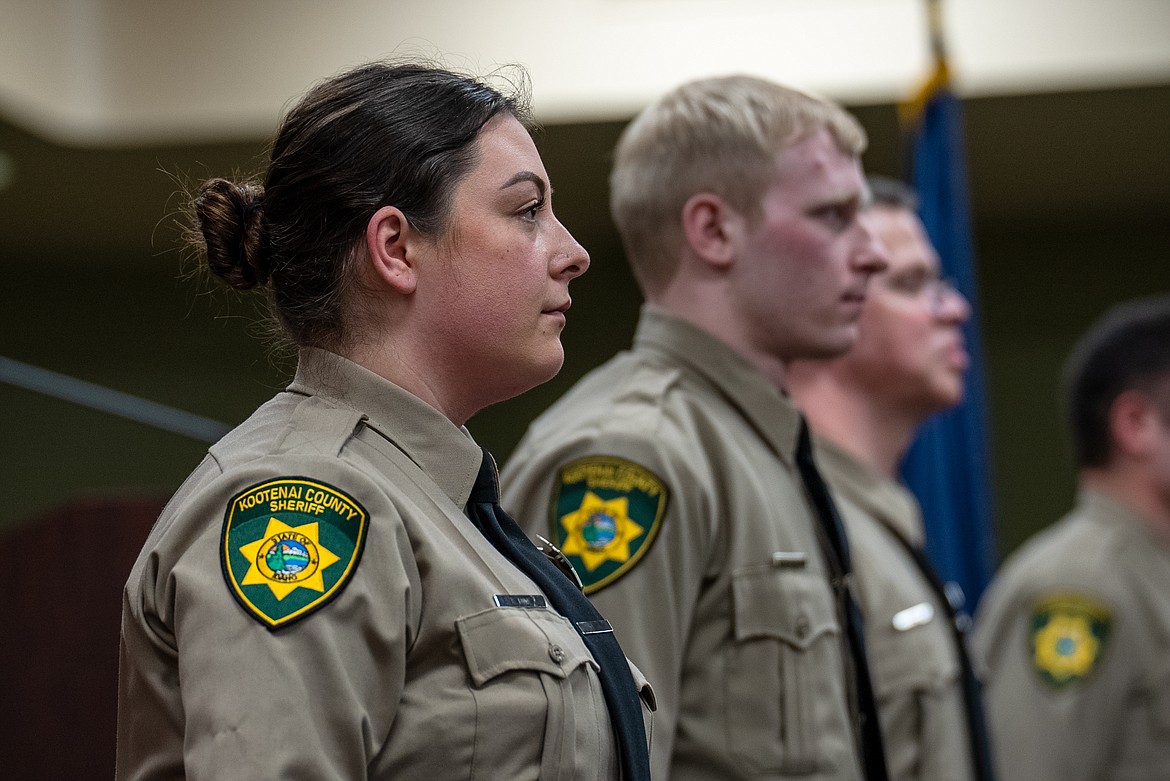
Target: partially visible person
{"points": [[334, 592], [1074, 631], [907, 364], [674, 476]]}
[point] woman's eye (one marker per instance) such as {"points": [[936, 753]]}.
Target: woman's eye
{"points": [[532, 210]]}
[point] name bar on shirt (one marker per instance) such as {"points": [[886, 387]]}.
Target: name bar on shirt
{"points": [[594, 627], [527, 601]]}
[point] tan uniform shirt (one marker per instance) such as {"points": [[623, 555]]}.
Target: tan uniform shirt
{"points": [[908, 637], [1074, 633], [411, 671], [728, 609]]}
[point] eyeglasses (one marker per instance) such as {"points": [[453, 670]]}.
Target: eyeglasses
{"points": [[940, 289], [935, 289]]}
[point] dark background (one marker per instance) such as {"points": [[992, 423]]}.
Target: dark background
{"points": [[1071, 198]]}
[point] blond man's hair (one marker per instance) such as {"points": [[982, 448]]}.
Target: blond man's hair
{"points": [[718, 135]]}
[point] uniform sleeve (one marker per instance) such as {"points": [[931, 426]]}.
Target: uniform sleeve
{"points": [[1057, 670], [646, 582], [312, 698]]}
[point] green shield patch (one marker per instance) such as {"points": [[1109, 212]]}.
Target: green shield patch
{"points": [[289, 546], [605, 514], [1068, 635]]}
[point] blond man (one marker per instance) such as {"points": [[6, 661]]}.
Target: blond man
{"points": [[670, 476]]}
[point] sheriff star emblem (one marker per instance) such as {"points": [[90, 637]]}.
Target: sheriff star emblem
{"points": [[1068, 636], [606, 512], [289, 546]]}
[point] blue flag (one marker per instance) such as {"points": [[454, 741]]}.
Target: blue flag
{"points": [[948, 467]]}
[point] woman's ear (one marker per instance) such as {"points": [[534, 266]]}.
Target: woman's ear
{"points": [[388, 235], [710, 227]]}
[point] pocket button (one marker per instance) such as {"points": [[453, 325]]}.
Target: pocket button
{"points": [[557, 653], [802, 627]]}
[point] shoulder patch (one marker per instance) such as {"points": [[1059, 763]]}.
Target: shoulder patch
{"points": [[289, 546], [1067, 637], [605, 515]]}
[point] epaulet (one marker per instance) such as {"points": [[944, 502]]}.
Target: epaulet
{"points": [[319, 427]]}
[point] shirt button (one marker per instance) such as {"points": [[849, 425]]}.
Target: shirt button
{"points": [[802, 627], [557, 653]]}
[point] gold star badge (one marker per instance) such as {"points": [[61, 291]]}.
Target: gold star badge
{"points": [[1069, 633], [605, 514], [600, 530], [287, 558]]}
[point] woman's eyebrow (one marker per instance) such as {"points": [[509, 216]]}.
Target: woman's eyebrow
{"points": [[526, 176]]}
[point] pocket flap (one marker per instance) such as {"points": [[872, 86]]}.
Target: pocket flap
{"points": [[792, 605], [645, 690], [503, 639], [908, 656]]}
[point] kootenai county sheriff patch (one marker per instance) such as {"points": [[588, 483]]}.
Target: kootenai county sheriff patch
{"points": [[1068, 634], [290, 546], [606, 512]]}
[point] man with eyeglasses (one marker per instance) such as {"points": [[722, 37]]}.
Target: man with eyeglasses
{"points": [[864, 407]]}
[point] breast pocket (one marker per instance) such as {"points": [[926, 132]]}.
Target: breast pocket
{"points": [[780, 669], [914, 663], [915, 650], [522, 664]]}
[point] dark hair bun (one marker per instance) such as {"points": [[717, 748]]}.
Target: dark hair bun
{"points": [[228, 216]]}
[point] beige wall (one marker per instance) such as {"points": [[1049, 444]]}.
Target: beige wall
{"points": [[118, 72]]}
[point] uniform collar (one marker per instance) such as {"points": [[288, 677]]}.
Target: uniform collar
{"points": [[445, 452], [875, 493], [767, 408], [1112, 511]]}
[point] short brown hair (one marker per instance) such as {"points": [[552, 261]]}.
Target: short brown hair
{"points": [[1127, 349], [718, 135]]}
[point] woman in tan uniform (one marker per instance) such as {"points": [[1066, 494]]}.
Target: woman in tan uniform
{"points": [[334, 592]]}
